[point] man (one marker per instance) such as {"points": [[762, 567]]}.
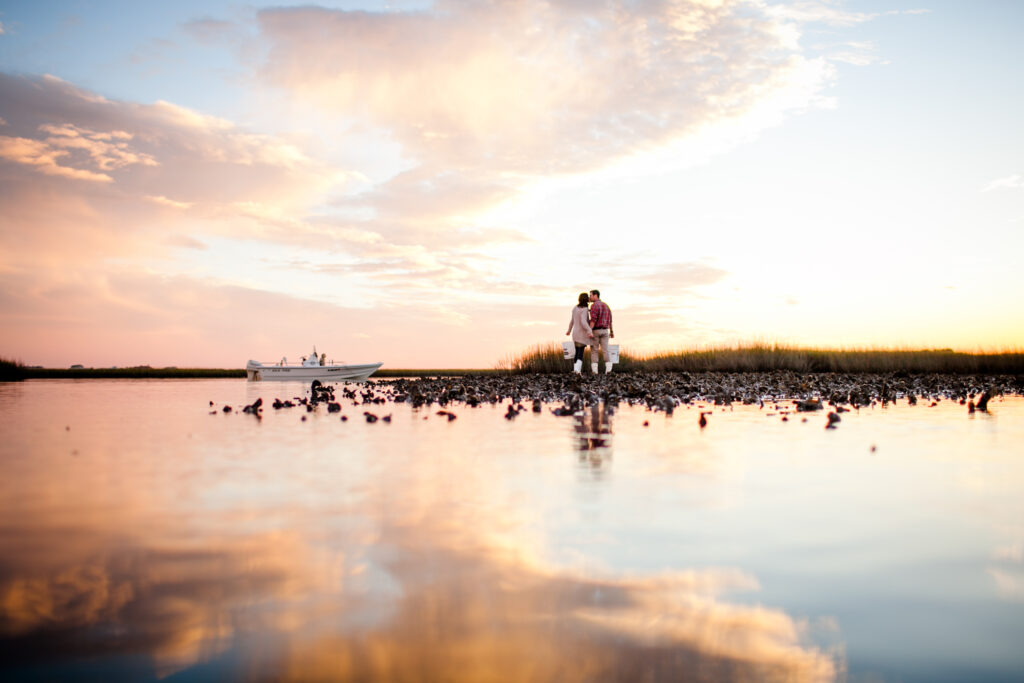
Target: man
{"points": [[601, 324]]}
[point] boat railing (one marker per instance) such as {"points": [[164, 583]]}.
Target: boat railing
{"points": [[296, 364]]}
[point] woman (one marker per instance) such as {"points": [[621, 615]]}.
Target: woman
{"points": [[579, 327]]}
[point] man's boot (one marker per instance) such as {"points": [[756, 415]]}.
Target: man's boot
{"points": [[607, 368], [577, 367]]}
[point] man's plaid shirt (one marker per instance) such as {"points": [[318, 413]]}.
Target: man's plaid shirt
{"points": [[600, 315]]}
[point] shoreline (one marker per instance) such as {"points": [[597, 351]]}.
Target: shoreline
{"points": [[213, 373], [725, 378]]}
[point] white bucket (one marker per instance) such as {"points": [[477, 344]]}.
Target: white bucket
{"points": [[569, 351]]}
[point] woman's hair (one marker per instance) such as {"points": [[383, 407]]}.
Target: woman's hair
{"points": [[584, 300]]}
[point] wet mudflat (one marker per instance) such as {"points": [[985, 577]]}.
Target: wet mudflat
{"points": [[539, 528]]}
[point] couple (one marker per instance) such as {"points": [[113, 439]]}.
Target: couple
{"points": [[593, 328]]}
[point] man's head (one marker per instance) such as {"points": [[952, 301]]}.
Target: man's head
{"points": [[595, 295]]}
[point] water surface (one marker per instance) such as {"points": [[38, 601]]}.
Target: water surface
{"points": [[144, 538]]}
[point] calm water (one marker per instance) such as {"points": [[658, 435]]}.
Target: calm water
{"points": [[143, 538]]}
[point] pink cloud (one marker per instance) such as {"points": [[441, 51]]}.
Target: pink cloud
{"points": [[532, 87], [486, 98], [88, 178], [44, 157], [155, 150]]}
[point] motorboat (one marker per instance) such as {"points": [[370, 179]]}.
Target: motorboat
{"points": [[309, 368]]}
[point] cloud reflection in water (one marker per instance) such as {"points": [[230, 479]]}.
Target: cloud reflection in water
{"points": [[148, 566], [425, 599]]}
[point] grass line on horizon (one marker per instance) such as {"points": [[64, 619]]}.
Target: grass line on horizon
{"points": [[548, 358]]}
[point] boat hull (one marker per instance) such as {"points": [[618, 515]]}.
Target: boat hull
{"points": [[332, 373]]}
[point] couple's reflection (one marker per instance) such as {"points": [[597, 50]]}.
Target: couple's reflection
{"points": [[593, 428]]}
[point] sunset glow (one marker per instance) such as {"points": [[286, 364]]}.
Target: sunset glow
{"points": [[431, 184]]}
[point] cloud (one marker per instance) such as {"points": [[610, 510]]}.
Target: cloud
{"points": [[857, 53], [634, 272], [90, 178], [1014, 181], [531, 87], [676, 278], [185, 242], [1013, 552], [43, 156], [487, 98], [830, 13], [87, 180], [104, 151], [164, 201], [107, 151], [169, 150], [1009, 583], [819, 11]]}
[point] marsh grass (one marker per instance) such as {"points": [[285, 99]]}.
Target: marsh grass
{"points": [[386, 373], [547, 358], [11, 370]]}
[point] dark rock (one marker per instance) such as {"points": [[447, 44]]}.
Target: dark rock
{"points": [[664, 391], [983, 401], [809, 405]]}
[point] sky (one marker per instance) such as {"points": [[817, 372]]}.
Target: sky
{"points": [[431, 184]]}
